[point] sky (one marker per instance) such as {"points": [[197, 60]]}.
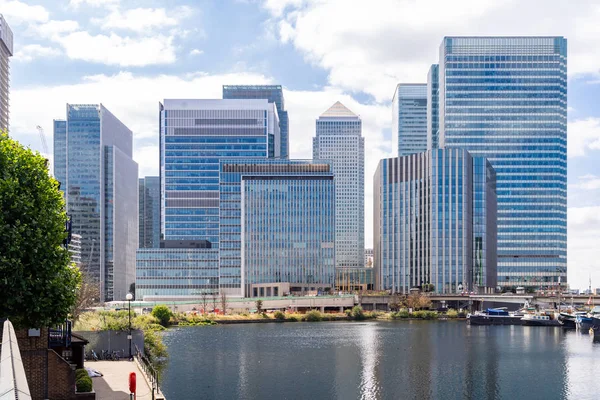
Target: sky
{"points": [[131, 54]]}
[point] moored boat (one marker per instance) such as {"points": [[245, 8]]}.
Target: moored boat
{"points": [[494, 316], [568, 321], [539, 320]]}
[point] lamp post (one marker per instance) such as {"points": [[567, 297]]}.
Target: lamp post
{"points": [[129, 297]]}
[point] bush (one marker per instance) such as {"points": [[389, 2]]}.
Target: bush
{"points": [[462, 314], [279, 315], [357, 313], [451, 313], [84, 383], [313, 316], [348, 312], [292, 318], [80, 372], [425, 314], [163, 314]]}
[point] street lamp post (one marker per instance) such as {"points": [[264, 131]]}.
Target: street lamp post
{"points": [[129, 297]]}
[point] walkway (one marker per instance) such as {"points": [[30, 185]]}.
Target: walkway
{"points": [[114, 385]]}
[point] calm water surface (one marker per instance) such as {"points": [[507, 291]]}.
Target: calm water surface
{"points": [[380, 360]]}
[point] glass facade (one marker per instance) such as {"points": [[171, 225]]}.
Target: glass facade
{"points": [[194, 136], [6, 51], [339, 140], [274, 94], [505, 98], [424, 222], [433, 107], [149, 212], [100, 177], [409, 118], [285, 213], [176, 273]]}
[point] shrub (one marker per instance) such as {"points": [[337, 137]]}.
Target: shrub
{"points": [[313, 316], [451, 313], [80, 372], [163, 314], [357, 313], [279, 315], [84, 384], [348, 312], [462, 314], [403, 313], [292, 318], [425, 314]]}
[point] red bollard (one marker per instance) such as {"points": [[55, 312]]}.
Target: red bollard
{"points": [[132, 384]]}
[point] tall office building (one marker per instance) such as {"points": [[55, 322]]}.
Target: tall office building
{"points": [[433, 106], [6, 51], [285, 212], [339, 140], [505, 98], [98, 176], [194, 136], [274, 94], [430, 210], [149, 212], [409, 118]]}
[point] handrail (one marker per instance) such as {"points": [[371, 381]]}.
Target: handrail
{"points": [[13, 382], [149, 370]]}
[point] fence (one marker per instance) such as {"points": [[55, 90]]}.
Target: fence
{"points": [[112, 340], [149, 370]]}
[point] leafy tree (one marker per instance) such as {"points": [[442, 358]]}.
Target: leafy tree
{"points": [[39, 283], [259, 304], [223, 302], [163, 314]]}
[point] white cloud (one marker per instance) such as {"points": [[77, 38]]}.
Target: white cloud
{"points": [[95, 3], [583, 250], [16, 12], [118, 50], [371, 46], [584, 135], [32, 51], [196, 52], [587, 182], [142, 19], [52, 28]]}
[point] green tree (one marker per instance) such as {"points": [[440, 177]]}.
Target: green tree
{"points": [[259, 304], [163, 314], [39, 283]]}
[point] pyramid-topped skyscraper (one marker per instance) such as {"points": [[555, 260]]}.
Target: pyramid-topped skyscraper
{"points": [[339, 140]]}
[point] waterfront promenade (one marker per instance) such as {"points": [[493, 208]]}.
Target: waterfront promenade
{"points": [[114, 385]]}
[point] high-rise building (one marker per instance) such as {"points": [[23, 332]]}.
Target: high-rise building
{"points": [[194, 136], [75, 249], [505, 98], [99, 176], [339, 140], [6, 51], [409, 118], [369, 258], [274, 94], [149, 212], [285, 212], [433, 106], [430, 210]]}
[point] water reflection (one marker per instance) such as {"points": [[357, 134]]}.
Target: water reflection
{"points": [[380, 360]]}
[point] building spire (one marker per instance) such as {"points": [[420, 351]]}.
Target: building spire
{"points": [[338, 110]]}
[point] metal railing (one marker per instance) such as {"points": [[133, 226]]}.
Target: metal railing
{"points": [[13, 382], [60, 336], [149, 370]]}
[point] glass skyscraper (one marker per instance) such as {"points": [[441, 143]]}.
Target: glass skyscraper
{"points": [[94, 164], [505, 98], [6, 51], [285, 212], [339, 140], [149, 212], [409, 118], [274, 94], [430, 209], [433, 106]]}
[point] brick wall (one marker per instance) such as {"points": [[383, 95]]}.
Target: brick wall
{"points": [[49, 376]]}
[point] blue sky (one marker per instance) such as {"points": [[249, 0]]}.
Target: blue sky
{"points": [[131, 54]]}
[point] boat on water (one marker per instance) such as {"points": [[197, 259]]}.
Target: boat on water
{"points": [[569, 321], [539, 320], [584, 320], [595, 329], [494, 316]]}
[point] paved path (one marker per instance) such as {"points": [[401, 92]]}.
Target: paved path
{"points": [[114, 385]]}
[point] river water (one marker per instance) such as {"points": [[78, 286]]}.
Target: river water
{"points": [[380, 360]]}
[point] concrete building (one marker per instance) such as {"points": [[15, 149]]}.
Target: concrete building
{"points": [[6, 51], [409, 118], [93, 162], [75, 249], [149, 212], [339, 140], [434, 223], [369, 258], [274, 94], [505, 98], [285, 211], [433, 106]]}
